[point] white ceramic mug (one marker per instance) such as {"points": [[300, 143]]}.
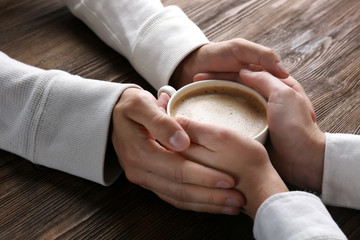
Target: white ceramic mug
{"points": [[175, 95]]}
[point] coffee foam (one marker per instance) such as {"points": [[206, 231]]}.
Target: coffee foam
{"points": [[225, 107]]}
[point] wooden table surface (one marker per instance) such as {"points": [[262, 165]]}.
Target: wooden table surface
{"points": [[319, 42]]}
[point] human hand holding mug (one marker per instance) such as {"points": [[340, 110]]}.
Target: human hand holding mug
{"points": [[223, 60], [297, 144], [243, 158], [146, 140]]}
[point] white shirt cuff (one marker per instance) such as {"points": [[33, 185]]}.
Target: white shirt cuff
{"points": [[295, 215], [342, 170]]}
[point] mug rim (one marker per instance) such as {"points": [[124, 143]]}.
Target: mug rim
{"points": [[261, 136]]}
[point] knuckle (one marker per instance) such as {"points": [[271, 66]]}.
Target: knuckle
{"points": [[179, 175], [222, 135], [211, 199], [260, 156], [159, 120], [133, 178], [269, 52], [132, 160], [236, 47], [179, 205], [238, 42], [135, 102], [180, 194], [160, 123], [286, 92]]}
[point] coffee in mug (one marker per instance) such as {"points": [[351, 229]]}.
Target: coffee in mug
{"points": [[223, 103]]}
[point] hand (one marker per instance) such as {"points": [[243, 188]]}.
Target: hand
{"points": [[297, 144], [244, 158], [223, 60], [141, 129]]}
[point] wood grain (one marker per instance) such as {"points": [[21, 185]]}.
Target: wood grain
{"points": [[318, 40]]}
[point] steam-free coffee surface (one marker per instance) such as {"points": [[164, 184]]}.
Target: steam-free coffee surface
{"points": [[226, 107]]}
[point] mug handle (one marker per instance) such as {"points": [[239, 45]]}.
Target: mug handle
{"points": [[169, 90]]}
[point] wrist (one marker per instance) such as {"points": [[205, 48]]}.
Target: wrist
{"points": [[185, 71], [266, 183], [309, 165], [316, 165]]}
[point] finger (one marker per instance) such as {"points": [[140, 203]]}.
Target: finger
{"points": [[263, 82], [253, 53], [203, 134], [201, 207], [266, 84], [215, 147], [231, 76], [192, 193], [174, 167], [254, 67], [232, 55], [143, 109]]}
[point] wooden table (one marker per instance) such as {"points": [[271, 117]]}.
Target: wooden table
{"points": [[319, 42]]}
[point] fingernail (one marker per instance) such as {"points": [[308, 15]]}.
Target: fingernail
{"points": [[229, 211], [164, 94], [224, 184], [282, 68], [179, 141], [233, 202]]}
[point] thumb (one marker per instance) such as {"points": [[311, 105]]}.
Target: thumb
{"points": [[167, 131], [178, 141], [151, 114]]}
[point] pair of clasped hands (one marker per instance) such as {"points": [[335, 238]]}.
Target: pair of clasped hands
{"points": [[199, 167]]}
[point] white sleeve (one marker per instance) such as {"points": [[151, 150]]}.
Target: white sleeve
{"points": [[295, 216], [152, 37], [342, 171], [57, 120]]}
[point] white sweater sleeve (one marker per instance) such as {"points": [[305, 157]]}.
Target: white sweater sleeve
{"points": [[342, 171], [57, 120], [295, 216], [152, 37], [52, 118]]}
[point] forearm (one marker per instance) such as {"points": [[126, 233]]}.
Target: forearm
{"points": [[56, 119], [153, 38]]}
